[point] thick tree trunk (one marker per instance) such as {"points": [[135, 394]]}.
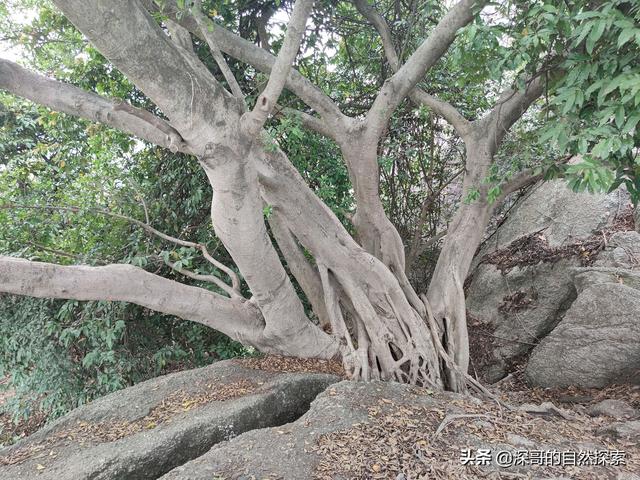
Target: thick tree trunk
{"points": [[374, 230], [380, 333], [378, 324], [237, 214], [464, 235]]}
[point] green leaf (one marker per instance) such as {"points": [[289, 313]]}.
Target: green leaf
{"points": [[631, 124], [571, 99], [595, 34], [620, 116], [626, 35]]}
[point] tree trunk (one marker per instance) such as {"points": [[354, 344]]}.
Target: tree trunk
{"points": [[379, 326], [381, 335], [374, 231], [464, 235], [237, 215]]}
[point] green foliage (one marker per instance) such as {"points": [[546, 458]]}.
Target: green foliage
{"points": [[61, 354], [597, 102], [319, 162], [588, 55]]}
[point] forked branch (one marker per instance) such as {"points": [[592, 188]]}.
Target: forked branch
{"points": [[398, 86], [206, 27], [417, 95], [254, 120], [262, 60]]}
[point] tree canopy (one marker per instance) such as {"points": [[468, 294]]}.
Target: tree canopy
{"points": [[308, 178]]}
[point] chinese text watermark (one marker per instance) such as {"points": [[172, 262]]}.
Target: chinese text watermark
{"points": [[547, 458]]}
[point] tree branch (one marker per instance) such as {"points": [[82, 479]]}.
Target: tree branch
{"points": [[196, 276], [129, 37], [302, 270], [233, 317], [262, 60], [444, 109], [59, 253], [206, 27], [254, 120], [180, 36], [233, 291], [72, 100], [426, 55], [524, 179], [511, 105], [315, 124], [417, 95]]}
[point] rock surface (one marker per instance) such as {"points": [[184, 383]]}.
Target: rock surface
{"points": [[622, 430], [613, 408], [146, 430], [597, 342], [523, 280], [390, 431], [519, 307], [622, 251], [563, 216]]}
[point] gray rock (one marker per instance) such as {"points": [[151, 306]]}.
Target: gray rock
{"points": [[519, 441], [285, 452], [523, 304], [586, 277], [622, 251], [563, 215], [636, 218], [61, 452], [622, 430], [627, 476], [519, 325], [613, 408], [596, 344], [295, 451]]}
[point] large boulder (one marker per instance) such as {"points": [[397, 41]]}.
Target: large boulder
{"points": [[561, 214], [380, 430], [598, 340], [517, 308], [144, 431], [521, 283]]}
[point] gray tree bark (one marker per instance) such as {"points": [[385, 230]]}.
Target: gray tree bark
{"points": [[375, 320]]}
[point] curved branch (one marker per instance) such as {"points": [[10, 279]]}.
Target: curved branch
{"points": [[511, 105], [254, 120], [233, 291], [236, 318], [417, 95], [523, 179], [72, 100], [206, 27], [202, 278], [426, 55], [300, 267], [451, 114], [130, 38], [260, 59], [315, 124]]}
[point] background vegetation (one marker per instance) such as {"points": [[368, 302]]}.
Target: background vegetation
{"points": [[58, 174]]}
